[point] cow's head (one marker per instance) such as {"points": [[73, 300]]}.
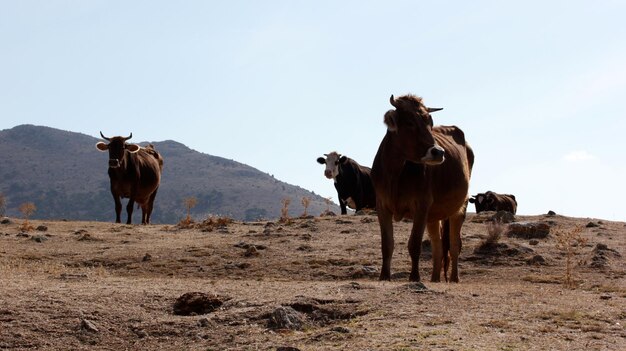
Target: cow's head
{"points": [[332, 162], [116, 147], [412, 124], [482, 201]]}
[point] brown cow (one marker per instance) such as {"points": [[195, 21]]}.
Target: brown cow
{"points": [[135, 173], [412, 181], [491, 201]]}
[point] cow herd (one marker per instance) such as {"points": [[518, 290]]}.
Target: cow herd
{"points": [[421, 172]]}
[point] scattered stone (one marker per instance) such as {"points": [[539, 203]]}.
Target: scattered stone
{"points": [[70, 276], [285, 318], [365, 271], [251, 251], [204, 322], [343, 221], [340, 329], [147, 257], [537, 260], [528, 230], [503, 217], [42, 228], [241, 265], [287, 348], [39, 238], [88, 325], [305, 248], [141, 333], [368, 220], [196, 303], [417, 287], [347, 231], [328, 214], [5, 220], [592, 225], [601, 255], [605, 297], [22, 235], [533, 242], [551, 213]]}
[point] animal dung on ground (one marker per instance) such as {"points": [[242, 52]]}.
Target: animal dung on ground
{"points": [[196, 303]]}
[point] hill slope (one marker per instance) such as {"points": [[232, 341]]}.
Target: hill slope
{"points": [[64, 175]]}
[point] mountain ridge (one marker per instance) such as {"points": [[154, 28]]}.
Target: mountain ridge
{"points": [[63, 174]]}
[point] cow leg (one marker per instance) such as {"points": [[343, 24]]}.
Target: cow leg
{"points": [[434, 232], [129, 210], [456, 222], [385, 222], [118, 209], [415, 245], [150, 206], [342, 204]]}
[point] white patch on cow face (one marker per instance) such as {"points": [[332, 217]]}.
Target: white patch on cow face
{"points": [[435, 155], [480, 199], [332, 166]]}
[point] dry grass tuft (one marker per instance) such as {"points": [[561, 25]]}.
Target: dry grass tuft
{"points": [[495, 230], [27, 209], [284, 211], [306, 202], [569, 242]]}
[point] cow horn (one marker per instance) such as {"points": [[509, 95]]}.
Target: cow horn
{"points": [[103, 137], [434, 109], [128, 137], [392, 101]]}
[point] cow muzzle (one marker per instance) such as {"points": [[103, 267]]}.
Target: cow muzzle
{"points": [[434, 156], [328, 174], [114, 163]]}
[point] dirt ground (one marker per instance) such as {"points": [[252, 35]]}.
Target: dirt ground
{"points": [[311, 284]]}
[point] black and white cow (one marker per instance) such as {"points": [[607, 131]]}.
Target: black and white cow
{"points": [[352, 181]]}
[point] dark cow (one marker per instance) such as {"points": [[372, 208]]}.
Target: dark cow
{"points": [[135, 173], [491, 201], [352, 181], [421, 173]]}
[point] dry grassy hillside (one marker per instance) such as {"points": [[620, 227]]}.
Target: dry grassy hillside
{"points": [[310, 284]]}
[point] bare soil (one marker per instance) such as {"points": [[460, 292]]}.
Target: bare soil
{"points": [[310, 284]]}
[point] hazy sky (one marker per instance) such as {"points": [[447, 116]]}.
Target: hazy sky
{"points": [[539, 87]]}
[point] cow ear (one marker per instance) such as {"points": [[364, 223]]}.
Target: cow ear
{"points": [[102, 146], [343, 159], [321, 160], [133, 148], [472, 200], [390, 121]]}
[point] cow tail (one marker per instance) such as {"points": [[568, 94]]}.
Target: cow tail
{"points": [[445, 243]]}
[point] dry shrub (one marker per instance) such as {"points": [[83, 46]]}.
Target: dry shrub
{"points": [[306, 202], [189, 202], [27, 209], [495, 229], [3, 204], [284, 211], [328, 201], [213, 222], [570, 242]]}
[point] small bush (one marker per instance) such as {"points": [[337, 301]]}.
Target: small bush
{"points": [[27, 209], [306, 202], [3, 204], [189, 202], [284, 211], [570, 243], [495, 230]]}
